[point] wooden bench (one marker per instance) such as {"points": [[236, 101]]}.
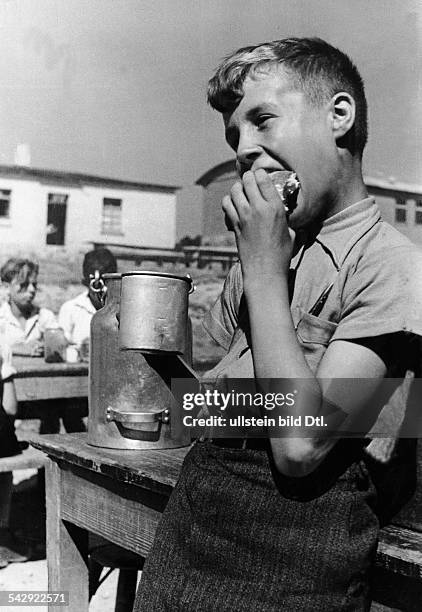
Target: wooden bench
{"points": [[204, 255], [139, 254], [397, 579]]}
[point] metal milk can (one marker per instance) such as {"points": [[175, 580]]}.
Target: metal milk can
{"points": [[129, 403]]}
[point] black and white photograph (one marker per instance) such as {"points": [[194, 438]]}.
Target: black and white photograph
{"points": [[211, 305]]}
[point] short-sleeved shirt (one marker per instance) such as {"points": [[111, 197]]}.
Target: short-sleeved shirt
{"points": [[6, 368], [75, 318], [366, 277], [11, 331]]}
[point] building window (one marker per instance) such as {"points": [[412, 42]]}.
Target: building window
{"points": [[5, 203], [400, 212], [56, 218], [112, 216], [400, 215], [418, 217]]}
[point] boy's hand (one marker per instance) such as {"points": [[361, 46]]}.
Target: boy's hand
{"points": [[28, 349], [37, 349], [256, 214]]}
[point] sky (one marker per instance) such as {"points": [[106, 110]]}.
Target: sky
{"points": [[117, 87]]}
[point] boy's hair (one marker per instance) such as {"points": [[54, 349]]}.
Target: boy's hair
{"points": [[317, 68], [102, 260], [17, 268]]}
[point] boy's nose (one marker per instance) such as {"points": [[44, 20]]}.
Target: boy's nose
{"points": [[247, 152], [245, 159]]}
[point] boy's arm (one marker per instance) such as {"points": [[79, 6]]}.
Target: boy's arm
{"points": [[9, 399], [10, 402], [32, 348], [265, 249], [65, 320], [273, 338]]}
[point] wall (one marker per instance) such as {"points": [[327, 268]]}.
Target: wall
{"points": [[149, 218], [28, 214]]}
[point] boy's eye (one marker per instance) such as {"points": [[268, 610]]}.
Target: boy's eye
{"points": [[262, 120]]}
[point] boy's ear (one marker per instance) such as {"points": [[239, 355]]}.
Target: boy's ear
{"points": [[343, 113]]}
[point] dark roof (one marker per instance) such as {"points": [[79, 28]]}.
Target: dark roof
{"points": [[227, 167], [76, 179]]}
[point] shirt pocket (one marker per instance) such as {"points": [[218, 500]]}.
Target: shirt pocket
{"points": [[314, 335], [314, 330]]}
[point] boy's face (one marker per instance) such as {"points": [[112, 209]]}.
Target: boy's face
{"points": [[275, 128], [22, 293]]}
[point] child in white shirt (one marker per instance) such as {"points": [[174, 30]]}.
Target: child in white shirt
{"points": [[23, 323]]}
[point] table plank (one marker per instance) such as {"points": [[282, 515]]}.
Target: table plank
{"points": [[37, 380], [400, 551], [30, 389], [30, 367], [124, 515], [67, 547], [155, 470]]}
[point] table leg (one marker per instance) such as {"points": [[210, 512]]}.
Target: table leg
{"points": [[67, 548]]}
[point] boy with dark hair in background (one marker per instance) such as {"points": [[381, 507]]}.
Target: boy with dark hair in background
{"points": [[75, 315], [75, 319]]}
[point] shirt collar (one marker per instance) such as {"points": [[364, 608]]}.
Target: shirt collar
{"points": [[82, 300], [6, 313], [343, 230]]}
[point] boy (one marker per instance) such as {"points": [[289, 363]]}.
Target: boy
{"points": [[75, 315], [290, 523], [75, 319], [22, 323]]}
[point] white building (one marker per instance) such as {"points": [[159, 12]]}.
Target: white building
{"points": [[39, 208]]}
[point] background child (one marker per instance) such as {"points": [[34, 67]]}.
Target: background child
{"points": [[75, 315], [75, 319], [11, 550], [23, 323]]}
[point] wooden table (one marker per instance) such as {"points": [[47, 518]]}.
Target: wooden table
{"points": [[38, 380], [120, 495]]}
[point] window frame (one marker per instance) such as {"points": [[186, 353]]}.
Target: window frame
{"points": [[5, 196], [112, 224]]}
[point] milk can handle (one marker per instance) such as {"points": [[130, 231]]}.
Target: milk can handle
{"points": [[97, 285], [191, 285], [122, 416], [135, 423]]}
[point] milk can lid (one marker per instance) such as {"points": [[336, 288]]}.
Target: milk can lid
{"points": [[184, 277]]}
